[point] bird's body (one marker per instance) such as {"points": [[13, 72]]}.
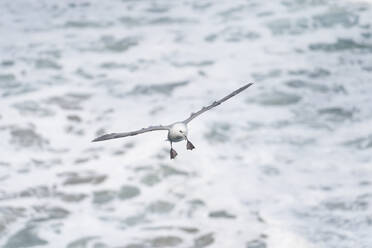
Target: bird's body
{"points": [[177, 131]]}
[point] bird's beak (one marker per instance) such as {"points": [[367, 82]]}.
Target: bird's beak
{"points": [[183, 135]]}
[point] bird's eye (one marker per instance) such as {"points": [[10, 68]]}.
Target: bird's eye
{"points": [[181, 131]]}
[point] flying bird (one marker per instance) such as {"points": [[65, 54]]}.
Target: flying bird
{"points": [[176, 131]]}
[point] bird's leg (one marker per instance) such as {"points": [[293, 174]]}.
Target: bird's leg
{"points": [[189, 145], [173, 152]]}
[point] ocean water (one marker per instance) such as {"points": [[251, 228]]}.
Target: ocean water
{"points": [[285, 164]]}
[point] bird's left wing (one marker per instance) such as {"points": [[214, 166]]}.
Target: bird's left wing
{"points": [[216, 103], [121, 135]]}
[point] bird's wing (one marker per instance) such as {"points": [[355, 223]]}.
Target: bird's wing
{"points": [[121, 135], [216, 103]]}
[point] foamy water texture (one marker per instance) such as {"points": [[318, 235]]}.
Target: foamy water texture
{"points": [[285, 164]]}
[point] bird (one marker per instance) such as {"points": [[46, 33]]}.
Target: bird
{"points": [[177, 131]]}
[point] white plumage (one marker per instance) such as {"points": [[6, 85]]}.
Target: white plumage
{"points": [[177, 131]]}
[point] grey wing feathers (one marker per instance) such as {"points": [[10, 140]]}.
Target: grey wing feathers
{"points": [[216, 103], [121, 135]]}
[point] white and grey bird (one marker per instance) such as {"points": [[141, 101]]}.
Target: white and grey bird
{"points": [[176, 131]]}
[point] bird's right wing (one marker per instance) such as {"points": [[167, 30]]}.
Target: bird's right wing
{"points": [[216, 103], [121, 135]]}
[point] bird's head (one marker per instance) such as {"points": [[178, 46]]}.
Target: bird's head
{"points": [[179, 129]]}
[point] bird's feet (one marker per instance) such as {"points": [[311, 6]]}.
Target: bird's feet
{"points": [[173, 153], [189, 145]]}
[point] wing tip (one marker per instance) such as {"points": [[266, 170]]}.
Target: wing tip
{"points": [[247, 86], [96, 139], [101, 138]]}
